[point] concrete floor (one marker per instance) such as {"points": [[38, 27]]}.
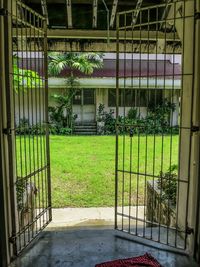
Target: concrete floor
{"points": [[65, 217], [85, 247]]}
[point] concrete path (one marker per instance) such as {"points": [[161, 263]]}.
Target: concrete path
{"points": [[70, 217]]}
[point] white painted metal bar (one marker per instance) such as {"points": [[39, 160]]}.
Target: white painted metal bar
{"points": [[45, 10], [94, 19], [69, 13], [113, 13], [137, 11]]}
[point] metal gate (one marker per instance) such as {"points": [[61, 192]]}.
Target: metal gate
{"points": [[154, 106], [27, 122]]}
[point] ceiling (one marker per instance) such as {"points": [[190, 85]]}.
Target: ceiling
{"points": [[85, 14]]}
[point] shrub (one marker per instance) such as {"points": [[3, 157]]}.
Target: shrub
{"points": [[107, 118], [132, 114], [167, 183], [25, 128], [157, 120]]}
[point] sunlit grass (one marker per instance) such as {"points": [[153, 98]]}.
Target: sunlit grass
{"points": [[83, 167]]}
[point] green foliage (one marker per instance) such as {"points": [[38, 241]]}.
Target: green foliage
{"points": [[157, 120], [61, 115], [167, 183], [84, 62], [25, 128], [132, 114], [24, 79], [107, 118], [100, 112]]}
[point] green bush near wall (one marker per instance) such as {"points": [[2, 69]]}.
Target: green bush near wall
{"points": [[157, 120]]}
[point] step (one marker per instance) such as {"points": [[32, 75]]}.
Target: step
{"points": [[85, 133], [84, 127], [85, 124], [85, 130]]}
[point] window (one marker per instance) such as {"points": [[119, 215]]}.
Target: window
{"points": [[111, 97], [135, 97], [127, 96], [77, 97], [155, 97], [141, 98], [88, 96], [84, 97]]}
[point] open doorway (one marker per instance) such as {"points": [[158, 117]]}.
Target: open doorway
{"points": [[145, 122]]}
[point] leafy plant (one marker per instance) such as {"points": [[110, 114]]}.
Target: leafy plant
{"points": [[158, 118], [107, 118], [25, 128], [167, 183], [132, 114], [61, 116], [24, 79]]}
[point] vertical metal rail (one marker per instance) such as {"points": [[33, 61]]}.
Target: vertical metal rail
{"points": [[117, 124], [196, 252], [9, 131], [150, 162], [4, 199], [47, 122]]}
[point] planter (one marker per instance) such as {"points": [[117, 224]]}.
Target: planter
{"points": [[158, 209]]}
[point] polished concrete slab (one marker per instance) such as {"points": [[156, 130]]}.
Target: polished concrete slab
{"points": [[85, 247]]}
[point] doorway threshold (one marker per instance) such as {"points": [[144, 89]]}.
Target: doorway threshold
{"points": [[81, 217]]}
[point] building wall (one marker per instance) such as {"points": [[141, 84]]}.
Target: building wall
{"points": [[102, 98], [34, 100]]}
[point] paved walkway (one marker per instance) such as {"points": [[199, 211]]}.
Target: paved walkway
{"points": [[68, 217]]}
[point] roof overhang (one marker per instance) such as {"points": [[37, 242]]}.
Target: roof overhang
{"points": [[144, 83]]}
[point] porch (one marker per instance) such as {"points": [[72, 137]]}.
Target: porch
{"points": [[25, 187], [87, 246]]}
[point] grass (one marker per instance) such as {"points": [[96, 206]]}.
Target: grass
{"points": [[83, 167]]}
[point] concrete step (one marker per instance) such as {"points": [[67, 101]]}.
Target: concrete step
{"points": [[88, 128], [85, 133], [85, 124], [85, 127]]}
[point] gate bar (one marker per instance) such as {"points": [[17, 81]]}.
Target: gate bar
{"points": [[196, 252], [4, 203], [117, 123], [10, 118]]}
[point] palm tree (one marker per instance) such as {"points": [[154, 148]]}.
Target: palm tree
{"points": [[85, 63]]}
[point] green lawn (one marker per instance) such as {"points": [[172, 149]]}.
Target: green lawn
{"points": [[83, 167]]}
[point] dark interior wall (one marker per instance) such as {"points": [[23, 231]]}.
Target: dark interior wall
{"points": [[82, 12]]}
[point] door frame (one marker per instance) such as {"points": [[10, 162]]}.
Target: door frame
{"points": [[5, 205], [82, 104], [13, 226]]}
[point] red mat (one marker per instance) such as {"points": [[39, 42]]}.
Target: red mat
{"points": [[146, 261]]}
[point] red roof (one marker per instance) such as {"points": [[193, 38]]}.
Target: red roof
{"points": [[127, 68]]}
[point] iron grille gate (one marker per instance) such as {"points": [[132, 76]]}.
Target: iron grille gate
{"points": [[27, 116], [153, 139]]}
